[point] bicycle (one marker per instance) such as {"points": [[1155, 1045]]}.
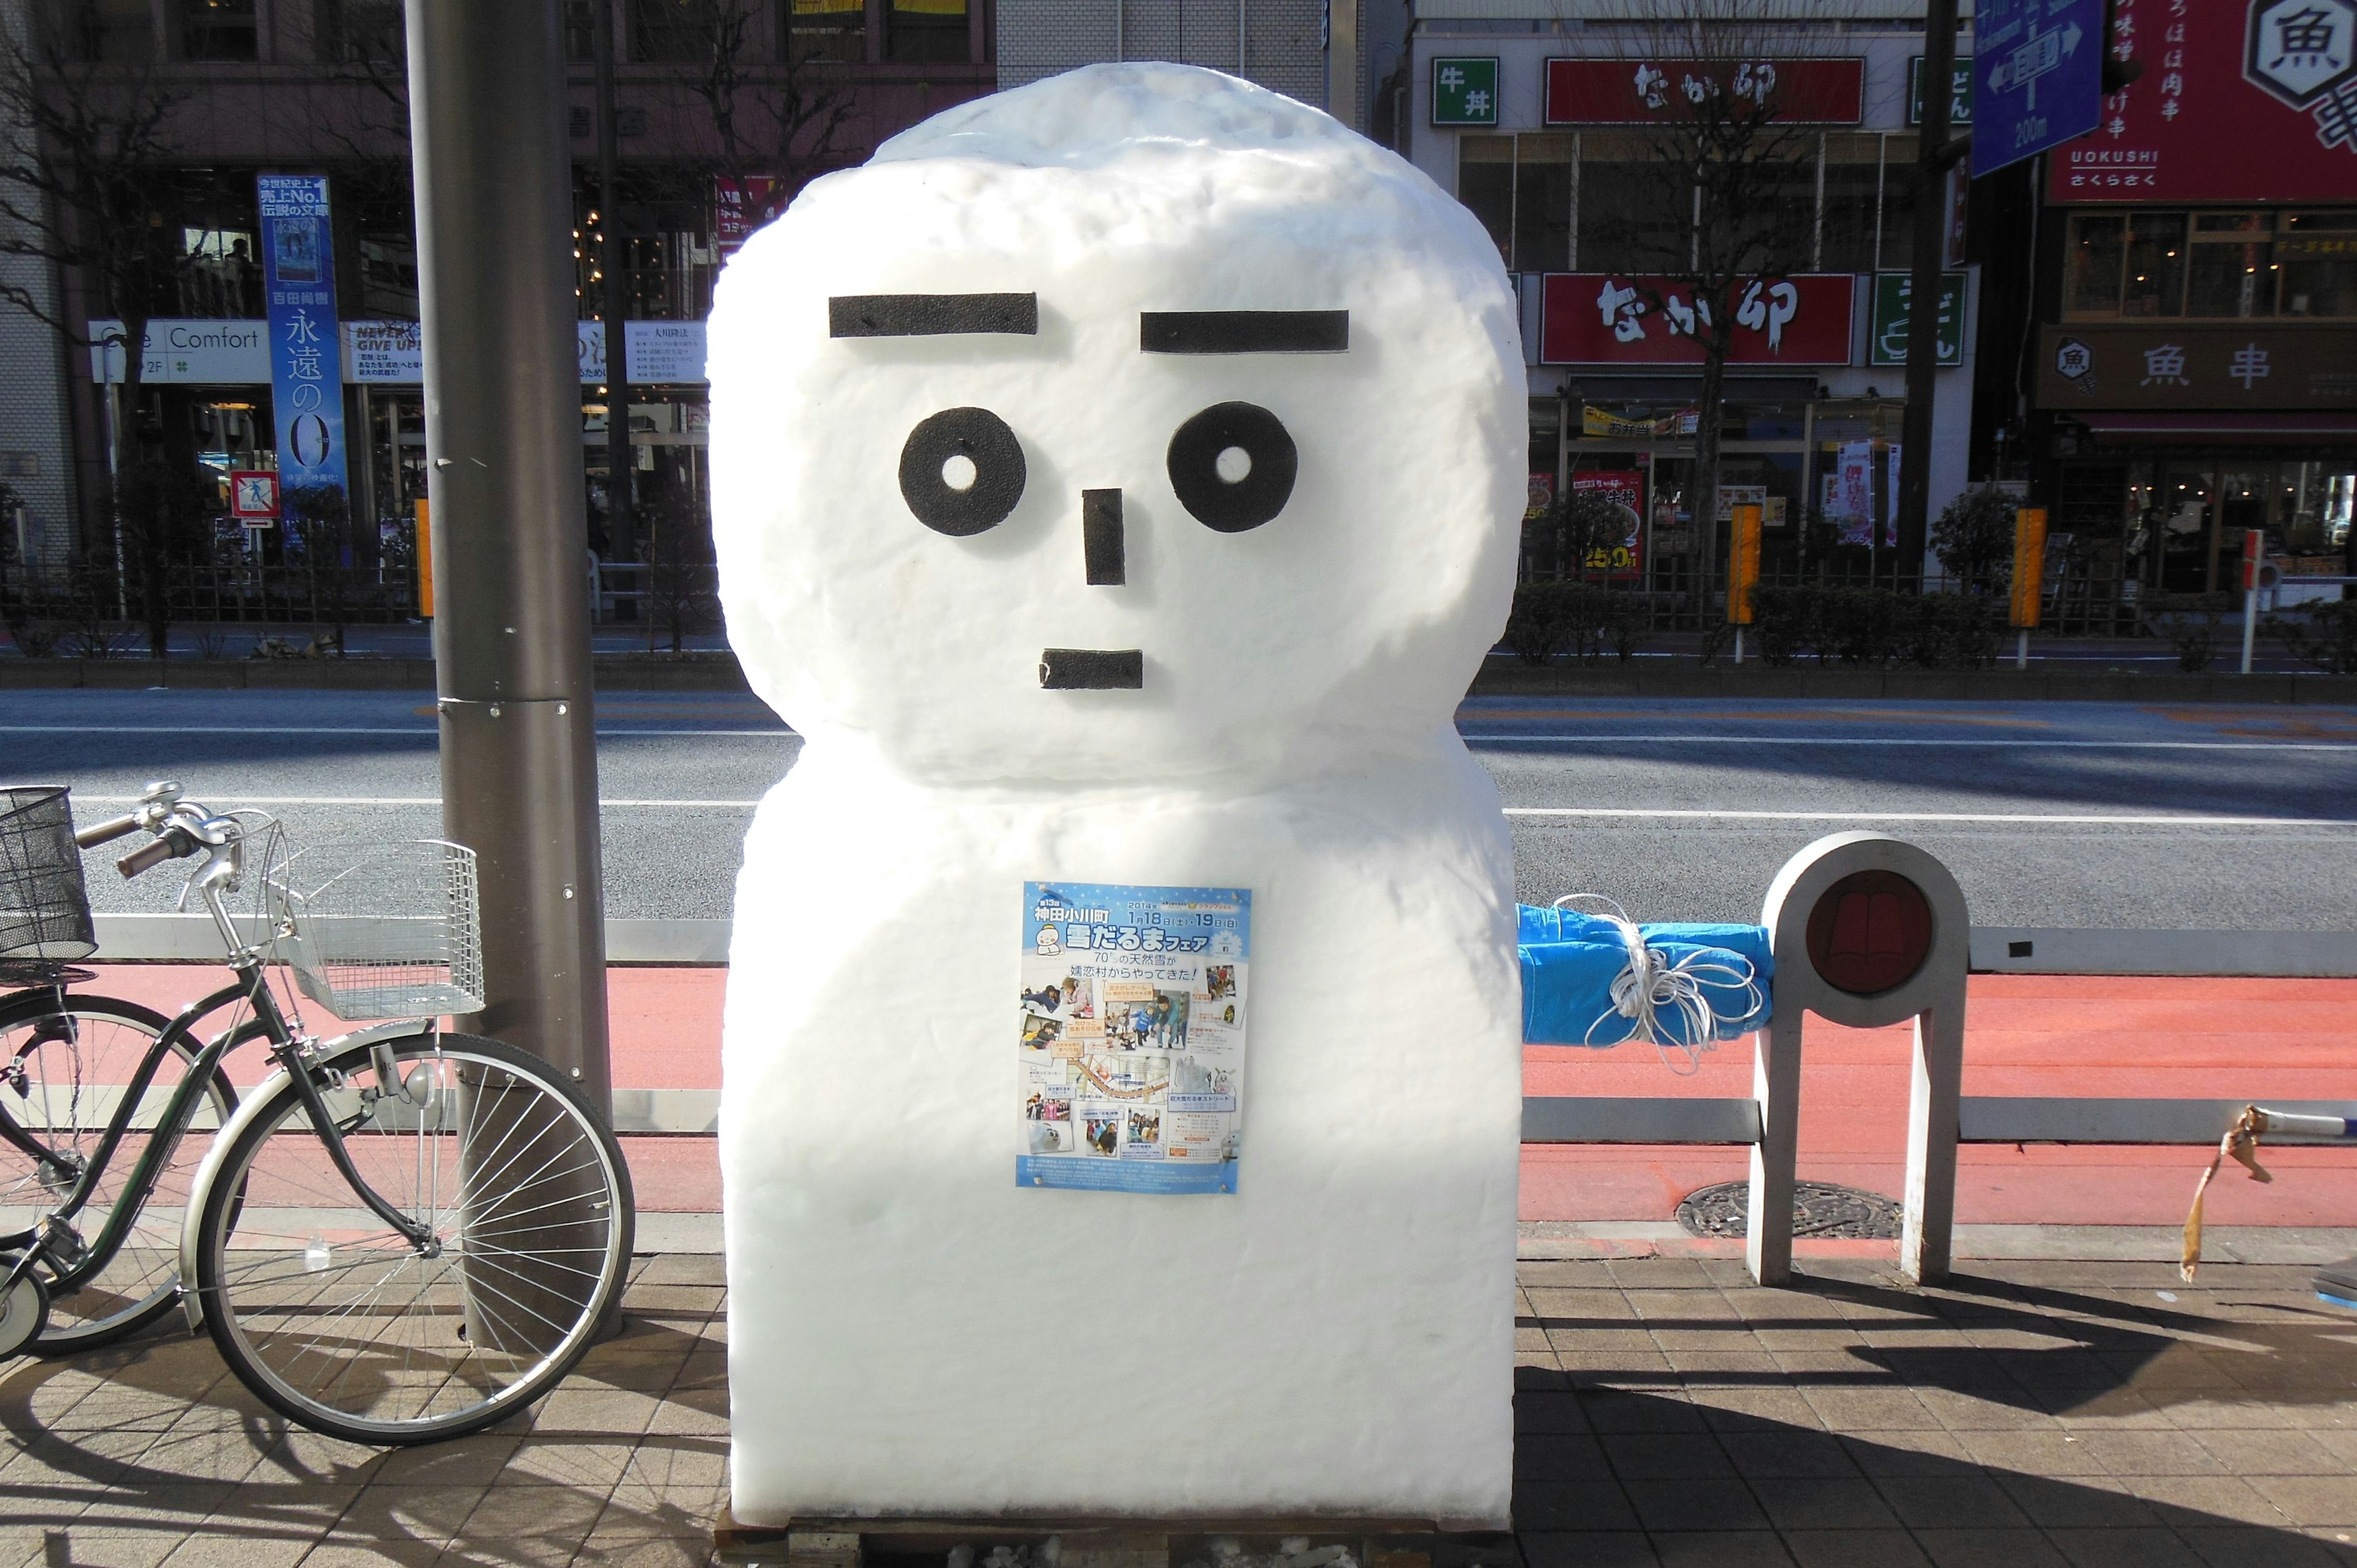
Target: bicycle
{"points": [[379, 1321]]}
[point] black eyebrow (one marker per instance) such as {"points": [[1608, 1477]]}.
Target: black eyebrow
{"points": [[1243, 331], [931, 314]]}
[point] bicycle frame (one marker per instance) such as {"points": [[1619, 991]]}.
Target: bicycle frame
{"points": [[285, 1049]]}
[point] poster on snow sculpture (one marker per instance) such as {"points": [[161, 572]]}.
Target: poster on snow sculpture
{"points": [[1132, 1036]]}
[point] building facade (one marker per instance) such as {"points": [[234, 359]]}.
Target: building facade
{"points": [[725, 107], [1543, 116], [2190, 371], [1278, 44]]}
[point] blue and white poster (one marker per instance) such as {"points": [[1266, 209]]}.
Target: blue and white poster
{"points": [[307, 383], [1132, 1036]]}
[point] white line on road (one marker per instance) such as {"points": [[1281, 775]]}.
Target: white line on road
{"points": [[1694, 739], [1935, 817], [421, 730], [416, 800]]}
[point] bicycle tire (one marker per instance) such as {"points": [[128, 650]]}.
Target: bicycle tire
{"points": [[141, 1282], [333, 1343]]}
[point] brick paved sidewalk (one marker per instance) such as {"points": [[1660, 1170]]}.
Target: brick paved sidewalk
{"points": [[2035, 1415]]}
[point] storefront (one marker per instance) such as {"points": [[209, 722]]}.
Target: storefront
{"points": [[2196, 372], [1547, 139]]}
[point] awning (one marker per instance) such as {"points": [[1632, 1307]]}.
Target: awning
{"points": [[2305, 429]]}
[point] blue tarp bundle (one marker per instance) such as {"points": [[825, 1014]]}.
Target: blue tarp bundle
{"points": [[1570, 960]]}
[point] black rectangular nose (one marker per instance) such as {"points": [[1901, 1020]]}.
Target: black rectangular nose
{"points": [[1101, 537]]}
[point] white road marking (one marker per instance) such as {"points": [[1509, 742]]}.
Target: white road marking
{"points": [[424, 730], [416, 800], [1933, 817], [1694, 739]]}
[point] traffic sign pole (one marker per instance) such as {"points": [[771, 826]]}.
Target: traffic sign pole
{"points": [[1931, 164]]}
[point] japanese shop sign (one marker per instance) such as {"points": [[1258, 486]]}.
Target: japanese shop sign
{"points": [[298, 274], [2039, 70], [1131, 1044], [1465, 90], [185, 350], [1887, 339], [2211, 367], [1599, 319], [1648, 92], [2240, 101], [1960, 91]]}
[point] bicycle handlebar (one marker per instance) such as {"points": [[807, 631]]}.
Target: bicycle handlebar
{"points": [[106, 832], [172, 844]]}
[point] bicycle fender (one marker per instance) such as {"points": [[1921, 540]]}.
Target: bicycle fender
{"points": [[243, 1117]]}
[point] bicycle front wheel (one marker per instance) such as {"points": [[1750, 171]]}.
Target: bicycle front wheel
{"points": [[67, 1063], [339, 1321]]}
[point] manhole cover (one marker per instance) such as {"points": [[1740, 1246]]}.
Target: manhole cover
{"points": [[1819, 1208]]}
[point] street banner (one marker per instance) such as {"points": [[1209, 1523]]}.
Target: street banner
{"points": [[1663, 92], [2243, 101], [1851, 509], [2038, 67], [1601, 318], [307, 393], [1132, 1037]]}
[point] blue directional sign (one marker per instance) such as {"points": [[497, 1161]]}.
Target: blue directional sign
{"points": [[2039, 77]]}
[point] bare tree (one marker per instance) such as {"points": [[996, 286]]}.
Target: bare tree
{"points": [[84, 141], [1717, 201], [767, 119]]}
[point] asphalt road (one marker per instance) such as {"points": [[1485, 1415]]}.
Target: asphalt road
{"points": [[2052, 814]]}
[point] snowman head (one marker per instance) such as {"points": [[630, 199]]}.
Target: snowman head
{"points": [[1135, 425]]}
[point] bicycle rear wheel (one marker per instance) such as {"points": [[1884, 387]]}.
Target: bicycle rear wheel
{"points": [[335, 1320], [66, 1063]]}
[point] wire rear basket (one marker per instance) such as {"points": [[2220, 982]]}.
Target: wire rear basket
{"points": [[44, 908], [395, 934]]}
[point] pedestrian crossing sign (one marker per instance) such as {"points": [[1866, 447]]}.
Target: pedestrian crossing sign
{"points": [[1465, 90]]}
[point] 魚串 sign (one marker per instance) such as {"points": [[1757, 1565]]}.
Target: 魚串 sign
{"points": [[1601, 318], [2207, 366], [1652, 92], [1465, 90], [1131, 1041], [1887, 338], [2240, 101], [2039, 77], [254, 496]]}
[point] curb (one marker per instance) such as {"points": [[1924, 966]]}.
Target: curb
{"points": [[612, 672]]}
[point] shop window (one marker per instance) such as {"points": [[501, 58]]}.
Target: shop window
{"points": [[217, 29], [2097, 245], [219, 274], [111, 32], [2155, 281], [581, 31], [388, 274], [925, 32], [1627, 221], [2231, 268], [360, 32], [825, 30], [671, 32], [1543, 175], [2317, 254], [1485, 182], [1852, 200]]}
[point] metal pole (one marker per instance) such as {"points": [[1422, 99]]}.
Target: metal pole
{"points": [[502, 434], [1932, 162], [621, 523]]}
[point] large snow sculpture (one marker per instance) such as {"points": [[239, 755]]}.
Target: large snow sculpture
{"points": [[1116, 481]]}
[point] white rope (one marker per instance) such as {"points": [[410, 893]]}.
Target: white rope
{"points": [[1651, 986]]}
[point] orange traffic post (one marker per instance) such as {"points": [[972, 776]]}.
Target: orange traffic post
{"points": [[424, 560], [2028, 576], [1742, 571]]}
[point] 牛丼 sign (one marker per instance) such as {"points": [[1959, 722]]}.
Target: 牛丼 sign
{"points": [[1602, 318], [1465, 90]]}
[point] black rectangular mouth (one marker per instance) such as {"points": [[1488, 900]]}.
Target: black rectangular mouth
{"points": [[1091, 669], [931, 314], [1244, 331]]}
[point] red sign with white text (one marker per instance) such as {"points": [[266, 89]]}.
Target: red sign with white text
{"points": [[1625, 488], [741, 206], [2240, 101], [1647, 93], [1599, 318]]}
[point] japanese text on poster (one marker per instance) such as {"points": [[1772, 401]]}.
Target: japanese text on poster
{"points": [[1132, 1036], [306, 391]]}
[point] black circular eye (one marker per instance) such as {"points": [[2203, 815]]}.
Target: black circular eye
{"points": [[962, 471], [1233, 466]]}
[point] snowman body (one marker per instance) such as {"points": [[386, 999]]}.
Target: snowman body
{"points": [[1116, 481]]}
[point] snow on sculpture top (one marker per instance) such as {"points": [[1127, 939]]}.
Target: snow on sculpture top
{"points": [[1138, 424]]}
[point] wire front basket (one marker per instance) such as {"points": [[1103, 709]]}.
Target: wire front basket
{"points": [[44, 908], [395, 934]]}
